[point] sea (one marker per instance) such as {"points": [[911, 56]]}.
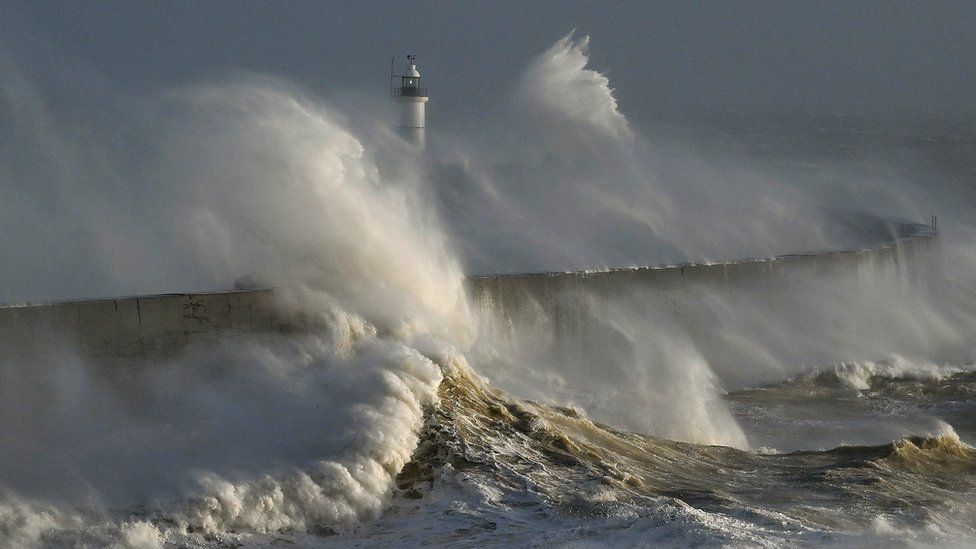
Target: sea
{"points": [[832, 409]]}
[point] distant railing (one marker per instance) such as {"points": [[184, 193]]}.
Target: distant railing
{"points": [[409, 91]]}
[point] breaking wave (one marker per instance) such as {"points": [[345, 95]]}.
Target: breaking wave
{"points": [[301, 431], [859, 375], [525, 472], [369, 420], [592, 484], [558, 85]]}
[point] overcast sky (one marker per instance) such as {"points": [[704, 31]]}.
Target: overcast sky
{"points": [[836, 56]]}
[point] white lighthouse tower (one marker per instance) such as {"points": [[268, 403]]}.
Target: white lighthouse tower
{"points": [[410, 99]]}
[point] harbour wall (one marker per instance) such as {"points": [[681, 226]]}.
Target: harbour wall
{"points": [[912, 256], [136, 326], [143, 325], [745, 322]]}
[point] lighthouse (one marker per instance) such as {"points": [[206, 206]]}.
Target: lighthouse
{"points": [[410, 99]]}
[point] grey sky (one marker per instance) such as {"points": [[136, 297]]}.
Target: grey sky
{"points": [[836, 56]]}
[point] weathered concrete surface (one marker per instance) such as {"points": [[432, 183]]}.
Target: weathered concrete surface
{"points": [[139, 325], [135, 326], [912, 255]]}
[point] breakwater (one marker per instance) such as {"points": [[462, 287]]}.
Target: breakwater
{"points": [[911, 255], [134, 326]]}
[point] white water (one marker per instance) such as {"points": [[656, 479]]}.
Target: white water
{"points": [[287, 435], [857, 375], [579, 188], [307, 432], [258, 435]]}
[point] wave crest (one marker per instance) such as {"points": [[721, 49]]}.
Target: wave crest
{"points": [[943, 454], [557, 83]]}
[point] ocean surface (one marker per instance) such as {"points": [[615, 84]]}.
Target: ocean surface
{"points": [[353, 436]]}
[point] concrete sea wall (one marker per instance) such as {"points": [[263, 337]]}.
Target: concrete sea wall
{"points": [[745, 321], [134, 326], [912, 255]]}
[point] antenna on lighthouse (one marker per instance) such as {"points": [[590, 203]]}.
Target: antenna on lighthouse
{"points": [[411, 100]]}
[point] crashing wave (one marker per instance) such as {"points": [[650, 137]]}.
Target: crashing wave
{"points": [[558, 85], [860, 376]]}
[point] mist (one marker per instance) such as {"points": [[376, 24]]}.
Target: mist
{"points": [[574, 186], [190, 181], [265, 184], [196, 193]]}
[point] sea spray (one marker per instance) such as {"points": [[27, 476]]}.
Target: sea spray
{"points": [[314, 217], [577, 191], [257, 437], [566, 182], [558, 85], [300, 431], [293, 433], [623, 358], [378, 440]]}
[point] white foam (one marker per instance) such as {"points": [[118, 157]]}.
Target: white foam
{"points": [[558, 83], [857, 375], [282, 432]]}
